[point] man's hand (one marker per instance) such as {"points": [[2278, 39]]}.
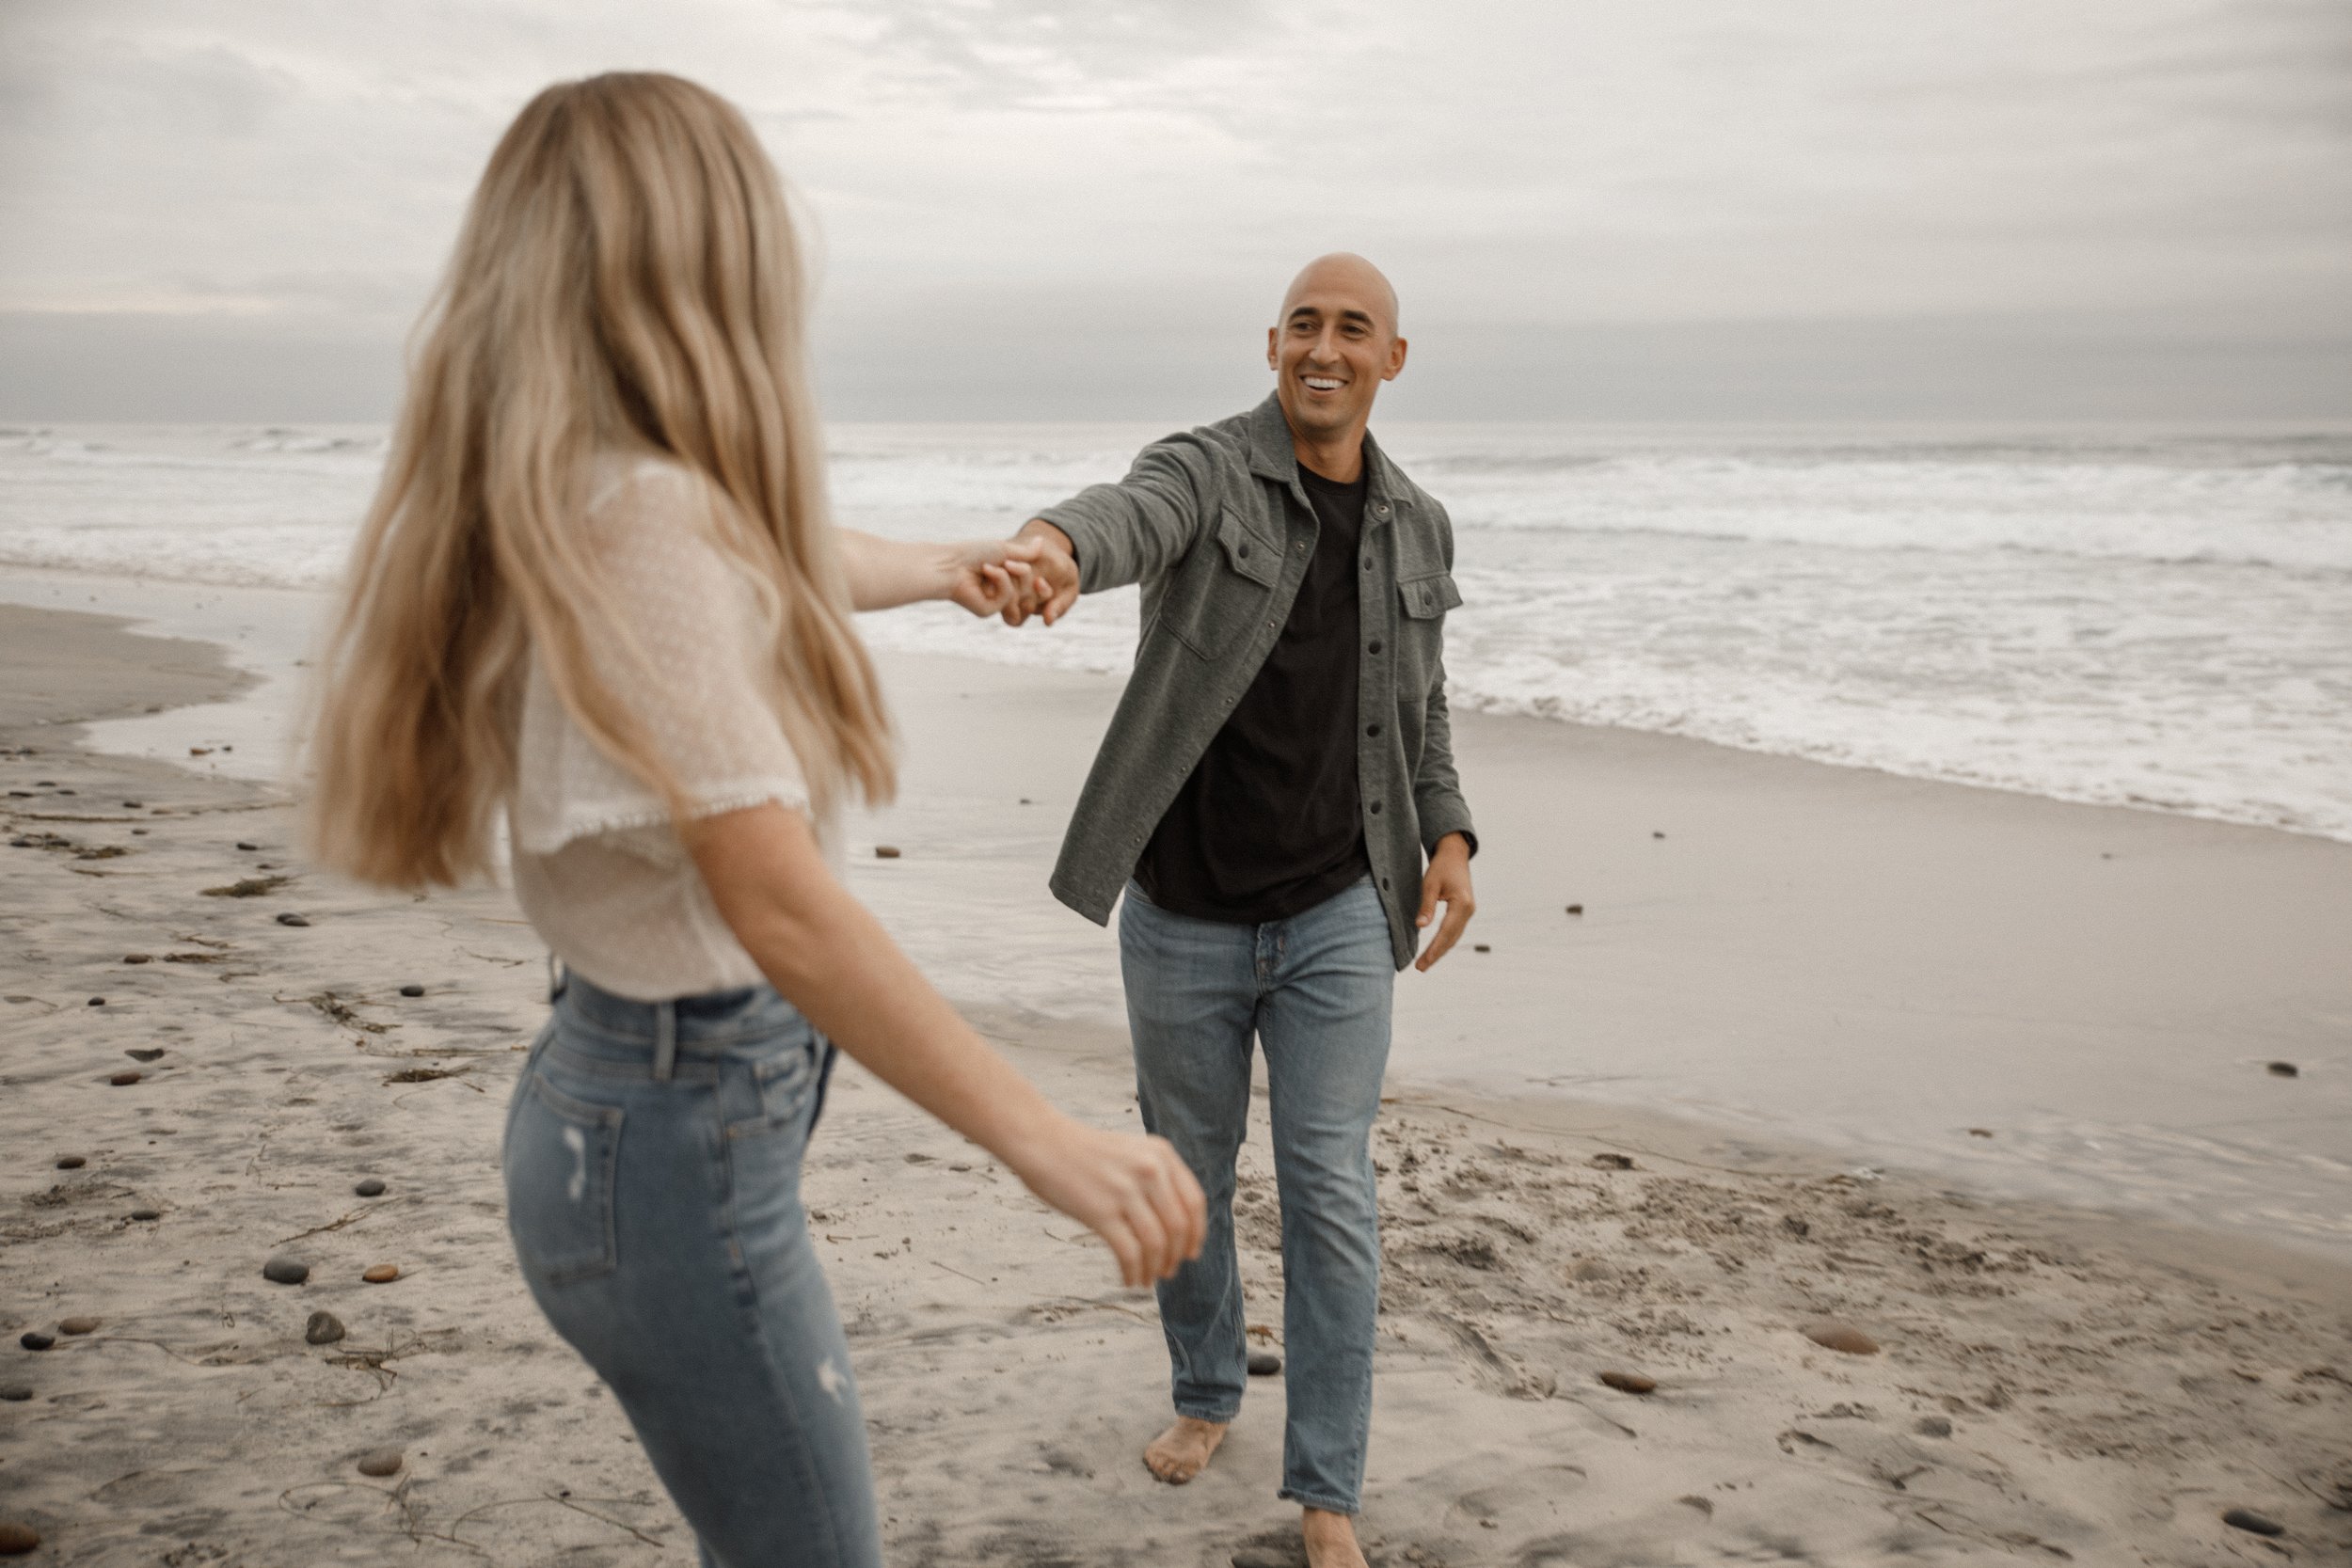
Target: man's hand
{"points": [[1447, 882], [989, 576], [1052, 586]]}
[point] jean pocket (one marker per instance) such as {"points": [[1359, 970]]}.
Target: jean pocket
{"points": [[563, 1158], [781, 1084]]}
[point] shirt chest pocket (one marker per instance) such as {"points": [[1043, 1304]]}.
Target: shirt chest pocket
{"points": [[1427, 598], [1226, 588]]}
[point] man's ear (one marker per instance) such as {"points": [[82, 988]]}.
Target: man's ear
{"points": [[1272, 335], [1396, 359]]}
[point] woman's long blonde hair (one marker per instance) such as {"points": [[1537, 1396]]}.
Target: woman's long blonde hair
{"points": [[626, 279]]}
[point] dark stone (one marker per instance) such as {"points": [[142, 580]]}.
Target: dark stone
{"points": [[1612, 1162], [1656, 834], [17, 1539], [286, 1271], [412, 990], [2258, 1524], [146, 1213], [77, 1326], [97, 1000], [324, 1328], [289, 918], [146, 1053], [1629, 1383], [885, 852], [126, 1078], [1576, 909], [1480, 948], [32, 1339], [71, 1162], [132, 804], [1264, 1363], [139, 957], [1933, 1426], [2286, 1069], [247, 847], [16, 1393], [383, 1461], [372, 1187]]}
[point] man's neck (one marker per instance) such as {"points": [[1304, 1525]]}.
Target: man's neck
{"points": [[1339, 458]]}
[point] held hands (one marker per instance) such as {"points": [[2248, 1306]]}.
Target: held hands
{"points": [[1133, 1192], [989, 576], [1053, 574], [1447, 882]]}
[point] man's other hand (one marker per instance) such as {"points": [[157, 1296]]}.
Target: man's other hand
{"points": [[1053, 574], [1447, 882], [992, 576]]}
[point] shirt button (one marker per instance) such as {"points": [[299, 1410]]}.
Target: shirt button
{"points": [[1375, 647], [1382, 508], [1243, 553], [1384, 885], [1371, 729], [1302, 548], [1269, 626], [1367, 563], [1375, 808]]}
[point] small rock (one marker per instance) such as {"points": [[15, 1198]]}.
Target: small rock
{"points": [[1612, 1162], [16, 1540], [1592, 1270], [139, 957], [370, 1188], [324, 1328], [1979, 1132], [132, 804], [247, 847], [2286, 1069], [1933, 1426], [1480, 948], [885, 852], [146, 1213], [1629, 1383], [382, 1274], [126, 1078], [144, 1054], [16, 1393], [71, 1162], [77, 1326], [1264, 1363], [97, 1000], [1842, 1337], [1656, 834], [285, 1271], [412, 990], [289, 918], [1576, 909], [1691, 1499], [2258, 1524], [33, 1338], [383, 1461]]}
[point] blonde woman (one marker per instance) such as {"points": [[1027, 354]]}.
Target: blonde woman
{"points": [[597, 597]]}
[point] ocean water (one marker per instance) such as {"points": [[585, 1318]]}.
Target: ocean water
{"points": [[2160, 619]]}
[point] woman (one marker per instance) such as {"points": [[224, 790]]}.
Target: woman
{"points": [[598, 598]]}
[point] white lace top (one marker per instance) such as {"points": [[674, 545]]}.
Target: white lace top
{"points": [[599, 870]]}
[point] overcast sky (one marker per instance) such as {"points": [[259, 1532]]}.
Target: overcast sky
{"points": [[1046, 208]]}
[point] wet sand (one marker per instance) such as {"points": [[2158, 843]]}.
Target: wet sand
{"points": [[2050, 1383]]}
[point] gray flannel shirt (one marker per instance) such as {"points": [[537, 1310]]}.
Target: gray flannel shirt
{"points": [[1216, 528]]}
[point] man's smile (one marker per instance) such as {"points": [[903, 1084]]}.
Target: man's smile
{"points": [[1323, 382]]}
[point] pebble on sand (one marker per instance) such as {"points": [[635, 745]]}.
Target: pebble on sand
{"points": [[1612, 1162], [382, 1462], [126, 1078], [324, 1328], [1842, 1337], [77, 1326], [17, 1539], [885, 852], [289, 918], [372, 1187], [16, 1393], [97, 1000], [249, 849], [2258, 1524], [1576, 909], [1629, 1383], [2286, 1069], [1933, 1426], [285, 1271], [1264, 1363], [139, 957], [382, 1274], [146, 1213], [71, 1162], [1480, 948], [412, 990], [144, 1054], [33, 1338]]}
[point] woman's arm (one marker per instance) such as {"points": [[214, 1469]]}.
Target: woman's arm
{"points": [[981, 575], [832, 959]]}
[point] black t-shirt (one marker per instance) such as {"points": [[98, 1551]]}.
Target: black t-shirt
{"points": [[1269, 824]]}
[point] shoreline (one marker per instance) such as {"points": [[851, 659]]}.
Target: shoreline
{"points": [[2049, 1382]]}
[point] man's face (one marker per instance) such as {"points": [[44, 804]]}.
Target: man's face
{"points": [[1334, 345]]}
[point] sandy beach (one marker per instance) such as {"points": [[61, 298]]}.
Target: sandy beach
{"points": [[2049, 1376]]}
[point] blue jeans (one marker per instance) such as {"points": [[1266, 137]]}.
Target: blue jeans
{"points": [[652, 1175], [1314, 990]]}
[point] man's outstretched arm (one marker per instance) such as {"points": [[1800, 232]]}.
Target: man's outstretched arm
{"points": [[1109, 535]]}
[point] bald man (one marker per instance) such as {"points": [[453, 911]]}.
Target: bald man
{"points": [[1276, 799]]}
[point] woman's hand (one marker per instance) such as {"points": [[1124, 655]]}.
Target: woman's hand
{"points": [[987, 575], [1133, 1192]]}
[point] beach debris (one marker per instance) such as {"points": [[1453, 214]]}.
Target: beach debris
{"points": [[1655, 834], [1264, 1363], [144, 1214], [127, 1077], [99, 852], [1933, 1426], [97, 1000], [382, 1274], [200, 750], [132, 804], [1593, 1271], [292, 919], [139, 957], [2286, 1069], [372, 1187], [1979, 1132], [17, 1539], [1691, 1499], [71, 1162], [77, 1326], [324, 1328], [247, 887], [285, 1271], [381, 1462], [1480, 948], [16, 1393], [33, 1338], [1576, 909], [2257, 1524], [885, 852], [1629, 1383], [412, 990], [1612, 1162], [144, 1054], [423, 1074], [1843, 1338], [249, 849]]}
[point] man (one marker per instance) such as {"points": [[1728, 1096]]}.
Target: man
{"points": [[1278, 767]]}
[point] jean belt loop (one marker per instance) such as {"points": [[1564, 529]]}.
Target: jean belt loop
{"points": [[664, 1041], [558, 976]]}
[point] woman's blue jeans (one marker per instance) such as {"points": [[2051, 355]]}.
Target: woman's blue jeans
{"points": [[1315, 991], [653, 1189]]}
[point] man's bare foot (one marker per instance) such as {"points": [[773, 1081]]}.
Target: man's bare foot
{"points": [[1182, 1451], [1330, 1540]]}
